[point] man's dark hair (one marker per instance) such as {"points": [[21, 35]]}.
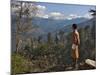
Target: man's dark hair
{"points": [[74, 26]]}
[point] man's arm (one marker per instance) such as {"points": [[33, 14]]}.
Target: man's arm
{"points": [[78, 38]]}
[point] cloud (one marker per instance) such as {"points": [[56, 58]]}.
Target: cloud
{"points": [[39, 7], [41, 11], [73, 16], [56, 15], [61, 16], [88, 16], [52, 15], [46, 16]]}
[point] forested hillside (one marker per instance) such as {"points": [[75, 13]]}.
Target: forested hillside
{"points": [[53, 54]]}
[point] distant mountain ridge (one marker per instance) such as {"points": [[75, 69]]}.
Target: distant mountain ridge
{"points": [[51, 25], [45, 26]]}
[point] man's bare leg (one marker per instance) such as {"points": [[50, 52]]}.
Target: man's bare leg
{"points": [[76, 64]]}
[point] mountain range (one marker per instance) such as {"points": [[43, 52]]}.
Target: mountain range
{"points": [[51, 25], [42, 26]]}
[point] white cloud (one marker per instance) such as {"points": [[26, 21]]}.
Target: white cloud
{"points": [[52, 15], [57, 15], [42, 15], [39, 7], [46, 16], [88, 16], [61, 16], [73, 16], [41, 11]]}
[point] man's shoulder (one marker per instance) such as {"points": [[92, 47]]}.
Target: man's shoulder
{"points": [[76, 32]]}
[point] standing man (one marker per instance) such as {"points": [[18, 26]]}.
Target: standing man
{"points": [[75, 45]]}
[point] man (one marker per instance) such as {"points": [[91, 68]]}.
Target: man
{"points": [[75, 44]]}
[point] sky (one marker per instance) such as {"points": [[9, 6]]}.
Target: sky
{"points": [[62, 11], [66, 8]]}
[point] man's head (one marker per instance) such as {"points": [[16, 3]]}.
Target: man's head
{"points": [[74, 26]]}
